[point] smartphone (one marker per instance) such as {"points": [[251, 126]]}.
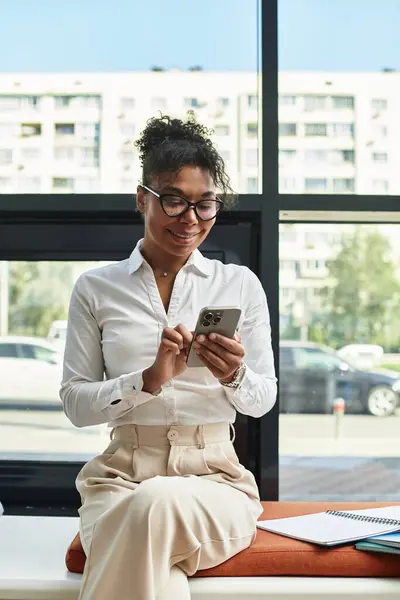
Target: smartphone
{"points": [[214, 319]]}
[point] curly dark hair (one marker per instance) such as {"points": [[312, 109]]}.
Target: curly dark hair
{"points": [[166, 145]]}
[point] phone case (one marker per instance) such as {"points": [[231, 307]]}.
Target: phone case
{"points": [[214, 319]]}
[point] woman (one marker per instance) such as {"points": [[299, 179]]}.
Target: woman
{"points": [[168, 496]]}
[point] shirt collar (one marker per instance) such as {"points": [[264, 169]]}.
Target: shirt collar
{"points": [[196, 261]]}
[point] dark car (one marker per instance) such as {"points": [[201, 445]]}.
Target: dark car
{"points": [[312, 376]]}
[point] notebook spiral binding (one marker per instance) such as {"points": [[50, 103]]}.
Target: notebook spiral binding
{"points": [[365, 519]]}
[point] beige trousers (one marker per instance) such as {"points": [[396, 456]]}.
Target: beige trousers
{"points": [[159, 504]]}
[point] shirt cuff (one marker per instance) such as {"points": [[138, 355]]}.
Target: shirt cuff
{"points": [[241, 394], [129, 390]]}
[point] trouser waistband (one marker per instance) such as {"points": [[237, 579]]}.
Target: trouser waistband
{"points": [[174, 435]]}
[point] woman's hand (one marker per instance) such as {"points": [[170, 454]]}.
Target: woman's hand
{"points": [[223, 356], [170, 360]]}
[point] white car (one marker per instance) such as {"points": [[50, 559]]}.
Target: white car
{"points": [[30, 372]]}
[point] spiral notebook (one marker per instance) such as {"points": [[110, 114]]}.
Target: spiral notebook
{"points": [[336, 527]]}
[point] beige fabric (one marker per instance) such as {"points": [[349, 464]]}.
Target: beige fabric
{"points": [[160, 497]]}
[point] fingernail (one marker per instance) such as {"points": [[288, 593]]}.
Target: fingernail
{"points": [[196, 346], [201, 339], [212, 336]]}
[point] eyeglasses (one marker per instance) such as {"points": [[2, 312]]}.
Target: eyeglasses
{"points": [[175, 206]]}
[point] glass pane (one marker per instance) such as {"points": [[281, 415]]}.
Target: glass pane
{"points": [[34, 298], [69, 119], [338, 95], [339, 348]]}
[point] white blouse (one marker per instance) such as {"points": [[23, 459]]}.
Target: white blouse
{"points": [[116, 318]]}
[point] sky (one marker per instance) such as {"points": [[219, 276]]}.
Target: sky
{"points": [[219, 35]]}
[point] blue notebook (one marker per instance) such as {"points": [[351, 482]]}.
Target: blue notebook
{"points": [[371, 547], [389, 539]]}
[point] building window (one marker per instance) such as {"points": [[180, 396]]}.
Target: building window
{"points": [[315, 185], [252, 101], [252, 130], [63, 183], [62, 101], [380, 157], [379, 104], [159, 103], [127, 103], [31, 129], [380, 186], [192, 103], [82, 101], [222, 130], [315, 129], [343, 102], [28, 185], [127, 157], [28, 154], [88, 131], [313, 102], [5, 184], [64, 154], [287, 129], [127, 130], [63, 129], [9, 130], [9, 102], [343, 185], [252, 185], [223, 102], [380, 130], [287, 100], [348, 156], [343, 129], [89, 157], [315, 156], [252, 157], [6, 156], [287, 184], [86, 185]]}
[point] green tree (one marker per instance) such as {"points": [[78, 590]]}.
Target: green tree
{"points": [[361, 304], [38, 295]]}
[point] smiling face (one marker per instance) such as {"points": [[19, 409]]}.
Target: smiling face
{"points": [[179, 236]]}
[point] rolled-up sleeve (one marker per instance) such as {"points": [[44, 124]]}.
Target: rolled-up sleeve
{"points": [[87, 398], [257, 392]]}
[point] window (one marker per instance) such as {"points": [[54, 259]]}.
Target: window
{"points": [[90, 157], [5, 184], [64, 154], [9, 130], [343, 129], [31, 129], [379, 104], [252, 157], [62, 101], [64, 129], [30, 154], [315, 184], [86, 185], [286, 156], [287, 100], [380, 186], [159, 103], [343, 185], [222, 130], [88, 132], [287, 129], [225, 155], [6, 156], [8, 350], [287, 184], [348, 156], [10, 103], [223, 102], [127, 157], [380, 157], [252, 101], [252, 185], [315, 129], [28, 185], [192, 103], [252, 130], [312, 102], [342, 102], [63, 183], [127, 103], [315, 156], [36, 352]]}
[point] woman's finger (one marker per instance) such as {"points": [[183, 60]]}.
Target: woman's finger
{"points": [[173, 336]]}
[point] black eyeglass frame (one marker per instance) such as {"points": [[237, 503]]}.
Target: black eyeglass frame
{"points": [[189, 204]]}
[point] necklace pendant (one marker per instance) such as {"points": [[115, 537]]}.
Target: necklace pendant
{"points": [[165, 274]]}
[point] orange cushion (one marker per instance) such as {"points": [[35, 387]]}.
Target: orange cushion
{"points": [[277, 555]]}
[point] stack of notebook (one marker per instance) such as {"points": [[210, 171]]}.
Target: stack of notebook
{"points": [[389, 544], [374, 527]]}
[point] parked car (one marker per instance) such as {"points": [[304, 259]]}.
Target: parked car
{"points": [[362, 356], [312, 376], [30, 372]]}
